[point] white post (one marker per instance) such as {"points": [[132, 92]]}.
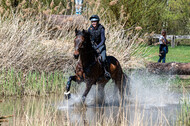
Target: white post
{"points": [[173, 41]]}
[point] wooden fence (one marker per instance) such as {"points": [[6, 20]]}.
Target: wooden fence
{"points": [[173, 38]]}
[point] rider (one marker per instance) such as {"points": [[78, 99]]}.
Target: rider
{"points": [[97, 37]]}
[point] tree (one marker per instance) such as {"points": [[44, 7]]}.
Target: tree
{"points": [[177, 17], [144, 13]]}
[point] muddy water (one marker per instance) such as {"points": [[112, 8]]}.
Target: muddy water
{"points": [[153, 101]]}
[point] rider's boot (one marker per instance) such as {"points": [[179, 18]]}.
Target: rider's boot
{"points": [[106, 73]]}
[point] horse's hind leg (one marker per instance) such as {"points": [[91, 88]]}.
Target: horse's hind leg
{"points": [[123, 84], [100, 94], [67, 93], [126, 84], [120, 87], [119, 82]]}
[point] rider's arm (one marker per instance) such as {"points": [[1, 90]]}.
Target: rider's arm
{"points": [[103, 38]]}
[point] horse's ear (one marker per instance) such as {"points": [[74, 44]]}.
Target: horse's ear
{"points": [[76, 31], [83, 31]]}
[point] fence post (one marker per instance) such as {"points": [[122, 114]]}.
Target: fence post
{"points": [[173, 41]]}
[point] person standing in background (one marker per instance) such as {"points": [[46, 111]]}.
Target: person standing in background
{"points": [[78, 6], [163, 49]]}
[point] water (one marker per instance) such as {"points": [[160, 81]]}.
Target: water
{"points": [[152, 102]]}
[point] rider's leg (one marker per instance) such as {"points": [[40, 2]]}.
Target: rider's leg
{"points": [[105, 64]]}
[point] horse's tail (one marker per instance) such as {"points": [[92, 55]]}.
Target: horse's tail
{"points": [[126, 84]]}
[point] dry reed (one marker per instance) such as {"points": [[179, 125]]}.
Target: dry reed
{"points": [[32, 43], [34, 111], [47, 45]]}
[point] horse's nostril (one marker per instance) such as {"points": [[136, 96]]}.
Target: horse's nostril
{"points": [[76, 56]]}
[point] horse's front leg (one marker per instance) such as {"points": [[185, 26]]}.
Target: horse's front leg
{"points": [[67, 93], [88, 87]]}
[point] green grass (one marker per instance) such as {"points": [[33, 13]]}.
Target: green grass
{"points": [[184, 117], [15, 83], [179, 54]]}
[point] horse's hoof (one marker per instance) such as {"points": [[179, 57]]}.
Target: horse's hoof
{"points": [[67, 95]]}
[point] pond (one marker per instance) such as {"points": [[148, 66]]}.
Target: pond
{"points": [[153, 101]]}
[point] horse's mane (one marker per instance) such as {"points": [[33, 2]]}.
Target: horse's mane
{"points": [[88, 45], [79, 33]]}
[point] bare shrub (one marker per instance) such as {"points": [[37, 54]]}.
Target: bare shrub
{"points": [[39, 41], [25, 45]]}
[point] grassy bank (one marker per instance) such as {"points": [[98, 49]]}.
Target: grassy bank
{"points": [[14, 83], [178, 54]]}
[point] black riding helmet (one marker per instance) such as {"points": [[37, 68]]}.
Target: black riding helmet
{"points": [[94, 18]]}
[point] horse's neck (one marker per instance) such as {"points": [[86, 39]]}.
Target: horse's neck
{"points": [[87, 57]]}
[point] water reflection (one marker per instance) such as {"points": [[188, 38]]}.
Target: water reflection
{"points": [[152, 102], [128, 114], [34, 111]]}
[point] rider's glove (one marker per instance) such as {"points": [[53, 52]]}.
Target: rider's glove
{"points": [[94, 46]]}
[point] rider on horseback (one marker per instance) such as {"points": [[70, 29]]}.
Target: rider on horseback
{"points": [[97, 37]]}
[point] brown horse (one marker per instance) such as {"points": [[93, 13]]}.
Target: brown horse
{"points": [[89, 68]]}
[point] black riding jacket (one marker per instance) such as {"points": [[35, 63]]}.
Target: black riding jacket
{"points": [[97, 35]]}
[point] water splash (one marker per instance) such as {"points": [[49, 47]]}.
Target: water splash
{"points": [[152, 90], [147, 89], [151, 100]]}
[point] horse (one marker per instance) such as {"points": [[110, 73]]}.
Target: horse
{"points": [[89, 69]]}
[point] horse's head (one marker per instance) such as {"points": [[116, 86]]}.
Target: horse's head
{"points": [[80, 41]]}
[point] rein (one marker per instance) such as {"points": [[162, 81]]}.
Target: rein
{"points": [[85, 50], [92, 63]]}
